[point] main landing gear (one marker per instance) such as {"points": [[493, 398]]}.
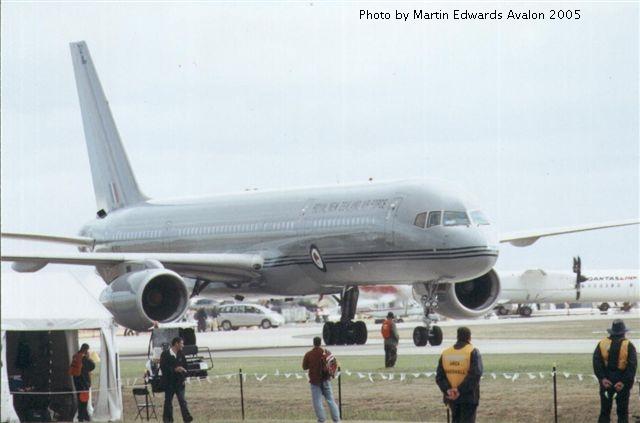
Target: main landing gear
{"points": [[429, 333], [346, 331]]}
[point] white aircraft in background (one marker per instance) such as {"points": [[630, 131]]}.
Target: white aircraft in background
{"points": [[154, 254], [540, 286]]}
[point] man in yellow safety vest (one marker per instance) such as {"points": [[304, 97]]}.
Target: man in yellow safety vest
{"points": [[614, 364], [458, 377]]}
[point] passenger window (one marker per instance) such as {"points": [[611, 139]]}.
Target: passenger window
{"points": [[435, 218], [421, 219]]}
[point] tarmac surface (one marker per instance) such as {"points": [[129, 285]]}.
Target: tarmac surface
{"points": [[294, 339]]}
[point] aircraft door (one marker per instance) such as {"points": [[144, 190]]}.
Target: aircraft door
{"points": [[304, 224], [390, 220]]}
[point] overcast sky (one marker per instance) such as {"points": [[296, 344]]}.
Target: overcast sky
{"points": [[537, 120]]}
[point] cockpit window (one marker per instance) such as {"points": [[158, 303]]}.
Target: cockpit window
{"points": [[479, 218], [434, 218], [421, 219], [456, 218]]}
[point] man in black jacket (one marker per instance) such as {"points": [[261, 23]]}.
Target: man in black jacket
{"points": [[173, 365], [614, 364], [458, 377]]}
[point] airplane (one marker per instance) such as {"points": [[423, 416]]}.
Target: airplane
{"points": [[540, 286], [319, 240]]}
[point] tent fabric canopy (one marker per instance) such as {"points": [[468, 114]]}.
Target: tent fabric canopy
{"points": [[58, 301], [49, 301]]}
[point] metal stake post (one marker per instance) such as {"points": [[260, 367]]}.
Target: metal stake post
{"points": [[555, 396], [340, 393], [241, 394]]}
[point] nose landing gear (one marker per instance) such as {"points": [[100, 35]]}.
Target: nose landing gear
{"points": [[429, 333], [346, 331]]}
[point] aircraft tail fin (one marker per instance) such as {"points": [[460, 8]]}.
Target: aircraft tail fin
{"points": [[114, 184]]}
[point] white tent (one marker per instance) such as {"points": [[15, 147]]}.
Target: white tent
{"points": [[57, 301]]}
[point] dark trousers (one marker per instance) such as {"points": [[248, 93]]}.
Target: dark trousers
{"points": [[463, 413], [167, 411], [606, 403], [390, 355], [83, 412]]}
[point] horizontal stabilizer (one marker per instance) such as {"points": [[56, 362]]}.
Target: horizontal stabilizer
{"points": [[246, 265], [73, 240]]}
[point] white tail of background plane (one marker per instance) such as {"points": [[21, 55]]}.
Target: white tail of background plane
{"points": [[114, 184]]}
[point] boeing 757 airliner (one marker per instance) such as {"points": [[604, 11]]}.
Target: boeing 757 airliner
{"points": [[155, 254]]}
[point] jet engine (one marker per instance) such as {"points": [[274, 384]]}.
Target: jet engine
{"points": [[473, 298], [137, 299]]}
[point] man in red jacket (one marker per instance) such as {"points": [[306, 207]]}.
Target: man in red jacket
{"points": [[320, 382], [80, 369]]}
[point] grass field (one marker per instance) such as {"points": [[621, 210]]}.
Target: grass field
{"points": [[413, 399]]}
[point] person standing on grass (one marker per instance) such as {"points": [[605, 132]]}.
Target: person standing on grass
{"points": [[391, 338], [458, 377], [80, 369], [173, 365], [614, 364], [320, 381]]}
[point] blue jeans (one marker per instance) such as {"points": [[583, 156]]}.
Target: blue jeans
{"points": [[324, 390]]}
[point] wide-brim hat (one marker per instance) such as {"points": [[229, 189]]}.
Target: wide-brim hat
{"points": [[617, 328]]}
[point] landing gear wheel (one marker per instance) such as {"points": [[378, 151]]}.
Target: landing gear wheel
{"points": [[420, 336], [626, 307], [360, 332], [525, 311], [226, 325], [340, 334], [266, 324], [327, 333], [435, 338], [604, 307], [502, 311]]}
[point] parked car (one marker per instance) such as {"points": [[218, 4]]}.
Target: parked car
{"points": [[233, 316]]}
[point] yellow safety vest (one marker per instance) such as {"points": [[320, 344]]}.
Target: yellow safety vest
{"points": [[456, 364], [623, 357]]}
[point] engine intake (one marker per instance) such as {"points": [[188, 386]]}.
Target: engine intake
{"points": [[473, 298], [139, 298]]}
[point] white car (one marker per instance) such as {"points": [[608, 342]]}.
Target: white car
{"points": [[232, 316]]}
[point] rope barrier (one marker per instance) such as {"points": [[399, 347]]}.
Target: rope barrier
{"points": [[372, 376]]}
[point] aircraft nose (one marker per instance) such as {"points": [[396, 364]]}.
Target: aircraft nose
{"points": [[477, 246], [490, 236]]}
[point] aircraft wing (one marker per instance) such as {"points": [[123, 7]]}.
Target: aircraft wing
{"points": [[526, 238], [238, 265]]}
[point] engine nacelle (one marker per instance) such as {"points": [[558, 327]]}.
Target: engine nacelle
{"points": [[473, 298], [137, 299]]}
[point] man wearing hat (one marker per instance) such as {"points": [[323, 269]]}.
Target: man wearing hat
{"points": [[458, 377], [614, 364], [391, 339]]}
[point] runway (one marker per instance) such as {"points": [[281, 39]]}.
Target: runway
{"points": [[294, 340]]}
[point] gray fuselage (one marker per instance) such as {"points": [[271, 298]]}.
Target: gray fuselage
{"points": [[365, 234]]}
